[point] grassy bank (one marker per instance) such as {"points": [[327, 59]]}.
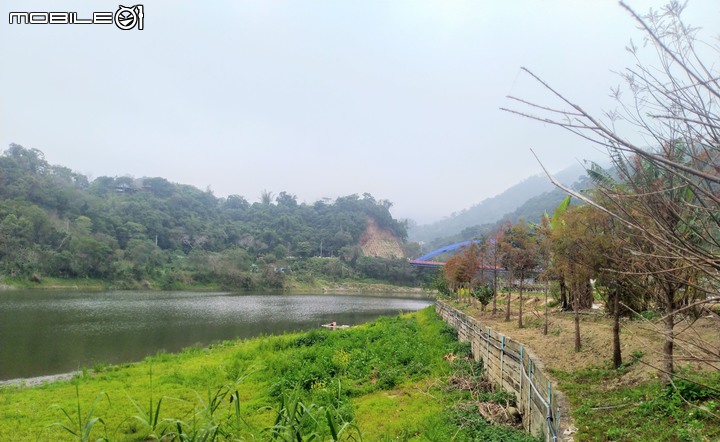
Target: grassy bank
{"points": [[612, 405], [55, 283], [348, 285], [386, 380], [352, 286], [47, 283], [628, 404]]}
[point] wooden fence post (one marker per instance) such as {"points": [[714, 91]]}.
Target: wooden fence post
{"points": [[529, 415], [548, 415], [487, 347], [502, 361], [522, 372]]}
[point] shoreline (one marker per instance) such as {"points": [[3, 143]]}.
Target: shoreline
{"points": [[39, 380], [328, 287]]}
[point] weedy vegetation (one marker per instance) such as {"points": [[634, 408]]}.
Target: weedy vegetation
{"points": [[606, 408]]}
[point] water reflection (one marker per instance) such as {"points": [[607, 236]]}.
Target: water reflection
{"points": [[45, 332]]}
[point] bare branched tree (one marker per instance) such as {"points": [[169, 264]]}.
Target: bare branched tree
{"points": [[664, 142]]}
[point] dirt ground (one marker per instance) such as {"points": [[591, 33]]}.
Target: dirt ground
{"points": [[376, 241], [557, 348]]}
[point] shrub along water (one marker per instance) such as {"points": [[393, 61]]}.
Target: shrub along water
{"points": [[383, 380]]}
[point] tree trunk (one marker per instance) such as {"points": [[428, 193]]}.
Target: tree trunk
{"points": [[669, 335], [617, 353], [576, 304], [520, 314], [545, 329], [507, 309], [563, 295], [494, 309], [587, 292]]}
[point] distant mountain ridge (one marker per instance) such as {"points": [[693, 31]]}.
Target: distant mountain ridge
{"points": [[493, 209], [531, 211]]}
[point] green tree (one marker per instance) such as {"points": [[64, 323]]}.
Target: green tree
{"points": [[90, 257], [15, 241]]}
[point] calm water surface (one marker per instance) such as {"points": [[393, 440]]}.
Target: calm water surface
{"points": [[48, 332]]}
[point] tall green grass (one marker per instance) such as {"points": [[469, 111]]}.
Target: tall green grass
{"points": [[78, 424]]}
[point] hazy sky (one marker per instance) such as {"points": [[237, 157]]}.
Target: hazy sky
{"points": [[318, 98]]}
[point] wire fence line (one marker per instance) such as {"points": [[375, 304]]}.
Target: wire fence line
{"points": [[511, 366]]}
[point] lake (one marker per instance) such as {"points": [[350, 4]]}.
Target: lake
{"points": [[49, 332]]}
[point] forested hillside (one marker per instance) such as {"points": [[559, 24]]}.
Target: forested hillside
{"points": [[491, 210], [531, 211], [56, 223]]}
